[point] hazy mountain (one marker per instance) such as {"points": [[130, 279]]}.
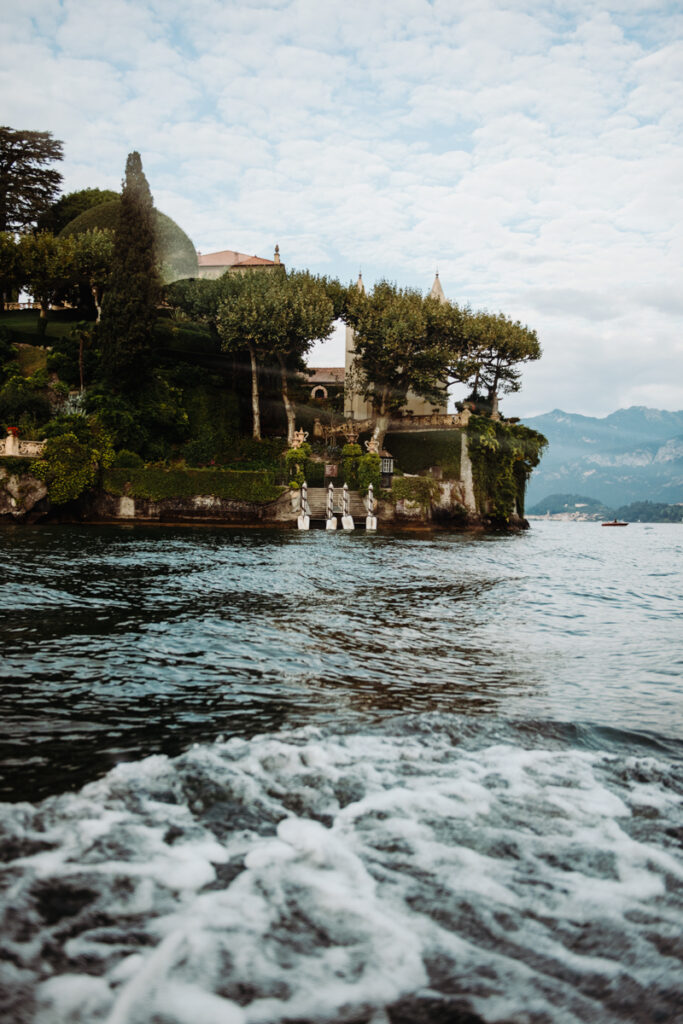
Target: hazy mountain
{"points": [[631, 455]]}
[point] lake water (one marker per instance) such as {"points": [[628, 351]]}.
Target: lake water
{"points": [[257, 776]]}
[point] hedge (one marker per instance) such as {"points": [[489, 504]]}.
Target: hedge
{"points": [[415, 452], [175, 251], [156, 484], [420, 489]]}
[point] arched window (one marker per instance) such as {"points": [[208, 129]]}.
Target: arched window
{"points": [[319, 392]]}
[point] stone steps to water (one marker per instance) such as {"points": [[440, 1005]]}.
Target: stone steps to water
{"points": [[317, 503]]}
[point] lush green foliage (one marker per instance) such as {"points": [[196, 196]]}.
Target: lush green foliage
{"points": [[416, 452], [402, 343], [9, 265], [497, 349], [296, 460], [148, 421], [15, 465], [72, 205], [23, 400], [28, 184], [503, 456], [47, 266], [127, 460], [177, 257], [351, 456], [369, 472], [129, 306], [70, 466], [93, 262], [420, 489], [157, 484]]}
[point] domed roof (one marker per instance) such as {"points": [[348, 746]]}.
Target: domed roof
{"points": [[176, 253]]}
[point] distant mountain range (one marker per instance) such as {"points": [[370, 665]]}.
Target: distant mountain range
{"points": [[631, 455]]}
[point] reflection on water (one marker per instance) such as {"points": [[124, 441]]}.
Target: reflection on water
{"points": [[122, 642]]}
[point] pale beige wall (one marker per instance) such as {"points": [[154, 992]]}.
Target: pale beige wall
{"points": [[355, 407]]}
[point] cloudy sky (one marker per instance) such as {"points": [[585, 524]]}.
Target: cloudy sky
{"points": [[529, 149]]}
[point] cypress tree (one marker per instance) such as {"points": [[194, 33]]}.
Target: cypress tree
{"points": [[129, 308]]}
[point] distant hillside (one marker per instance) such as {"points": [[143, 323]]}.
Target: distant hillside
{"points": [[556, 503], [629, 456]]}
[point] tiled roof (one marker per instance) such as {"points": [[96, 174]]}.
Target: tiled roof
{"points": [[255, 261], [326, 374], [232, 258]]}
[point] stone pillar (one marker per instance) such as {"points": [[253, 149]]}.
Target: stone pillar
{"points": [[11, 445], [466, 477]]}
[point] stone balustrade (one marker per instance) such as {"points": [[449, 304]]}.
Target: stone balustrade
{"points": [[432, 421], [25, 449]]}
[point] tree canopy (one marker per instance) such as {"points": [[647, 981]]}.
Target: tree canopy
{"points": [[72, 205], [498, 347], [28, 182], [403, 342]]}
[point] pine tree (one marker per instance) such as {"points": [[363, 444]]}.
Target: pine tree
{"points": [[129, 308], [28, 186]]}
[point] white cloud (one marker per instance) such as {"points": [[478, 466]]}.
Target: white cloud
{"points": [[531, 151]]}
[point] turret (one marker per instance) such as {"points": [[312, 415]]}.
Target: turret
{"points": [[437, 291]]}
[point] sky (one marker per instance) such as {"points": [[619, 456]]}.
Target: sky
{"points": [[529, 150]]}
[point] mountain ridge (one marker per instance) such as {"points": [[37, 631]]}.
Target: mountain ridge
{"points": [[632, 454]]}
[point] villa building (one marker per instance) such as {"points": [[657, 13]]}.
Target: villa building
{"points": [[355, 406], [215, 264]]}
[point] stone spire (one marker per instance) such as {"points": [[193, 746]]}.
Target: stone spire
{"points": [[437, 291], [359, 284], [276, 258]]}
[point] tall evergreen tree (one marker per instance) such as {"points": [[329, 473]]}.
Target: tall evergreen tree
{"points": [[28, 185], [129, 308]]}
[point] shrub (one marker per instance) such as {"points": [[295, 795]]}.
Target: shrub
{"points": [[127, 460], [295, 462], [21, 395], [351, 456], [369, 472], [68, 467]]}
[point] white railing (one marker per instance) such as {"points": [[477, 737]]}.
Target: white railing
{"points": [[23, 448]]}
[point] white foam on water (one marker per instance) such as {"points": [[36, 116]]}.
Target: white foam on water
{"points": [[313, 877]]}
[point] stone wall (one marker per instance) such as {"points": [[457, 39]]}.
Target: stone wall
{"points": [[199, 508], [22, 496]]}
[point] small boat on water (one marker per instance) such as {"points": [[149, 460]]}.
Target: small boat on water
{"points": [[615, 522]]}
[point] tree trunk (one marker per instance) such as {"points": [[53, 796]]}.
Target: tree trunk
{"points": [[95, 298], [382, 423], [254, 395], [289, 406], [80, 360]]}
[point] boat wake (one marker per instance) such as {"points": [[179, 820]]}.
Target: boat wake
{"points": [[425, 869]]}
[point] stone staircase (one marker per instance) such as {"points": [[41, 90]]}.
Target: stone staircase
{"points": [[317, 503]]}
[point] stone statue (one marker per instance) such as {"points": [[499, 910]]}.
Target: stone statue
{"points": [[299, 437]]}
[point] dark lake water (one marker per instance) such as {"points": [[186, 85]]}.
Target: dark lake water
{"points": [[257, 776]]}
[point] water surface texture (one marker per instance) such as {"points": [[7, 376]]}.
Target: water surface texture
{"points": [[261, 776]]}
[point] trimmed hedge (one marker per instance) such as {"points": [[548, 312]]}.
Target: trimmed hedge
{"points": [[176, 253], [416, 452], [157, 484]]}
